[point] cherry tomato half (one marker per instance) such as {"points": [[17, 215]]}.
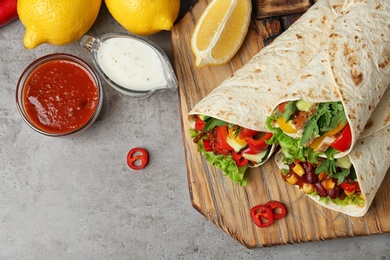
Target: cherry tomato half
{"points": [[137, 158], [344, 140]]}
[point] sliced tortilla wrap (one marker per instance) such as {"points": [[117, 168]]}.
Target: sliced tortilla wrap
{"points": [[370, 159], [247, 97], [352, 67]]}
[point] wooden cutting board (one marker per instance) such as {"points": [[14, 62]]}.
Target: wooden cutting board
{"points": [[227, 204]]}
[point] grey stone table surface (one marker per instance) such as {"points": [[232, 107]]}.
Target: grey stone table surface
{"points": [[75, 198]]}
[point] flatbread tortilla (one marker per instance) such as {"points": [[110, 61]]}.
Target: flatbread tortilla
{"points": [[353, 66], [370, 158], [249, 95]]}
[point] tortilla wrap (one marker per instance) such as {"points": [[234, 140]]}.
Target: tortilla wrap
{"points": [[248, 96], [370, 158], [353, 66]]}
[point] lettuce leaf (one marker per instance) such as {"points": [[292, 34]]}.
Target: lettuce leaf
{"points": [[225, 163]]}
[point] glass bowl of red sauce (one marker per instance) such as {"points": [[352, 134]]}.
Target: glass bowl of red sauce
{"points": [[59, 95]]}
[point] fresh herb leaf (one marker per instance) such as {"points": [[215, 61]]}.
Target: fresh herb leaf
{"points": [[337, 115], [326, 117], [213, 122], [311, 130], [341, 175], [328, 166]]}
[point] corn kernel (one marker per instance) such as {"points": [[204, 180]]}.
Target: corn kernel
{"points": [[307, 188], [298, 169], [292, 178], [361, 196], [349, 193]]}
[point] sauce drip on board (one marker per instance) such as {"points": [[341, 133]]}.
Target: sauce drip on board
{"points": [[60, 96], [131, 64]]}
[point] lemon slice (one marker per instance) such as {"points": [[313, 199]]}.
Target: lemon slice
{"points": [[220, 31]]}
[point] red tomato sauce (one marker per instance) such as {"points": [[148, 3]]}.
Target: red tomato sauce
{"points": [[60, 96]]}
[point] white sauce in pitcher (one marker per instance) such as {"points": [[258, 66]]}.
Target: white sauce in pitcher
{"points": [[131, 64]]}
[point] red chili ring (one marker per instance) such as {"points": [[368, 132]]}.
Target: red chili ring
{"points": [[274, 206], [262, 216], [137, 158]]}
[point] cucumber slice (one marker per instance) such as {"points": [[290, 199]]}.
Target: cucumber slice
{"points": [[304, 106], [257, 158], [236, 146], [344, 162]]}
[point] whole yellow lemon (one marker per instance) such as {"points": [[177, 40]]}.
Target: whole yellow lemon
{"points": [[57, 22], [144, 17]]}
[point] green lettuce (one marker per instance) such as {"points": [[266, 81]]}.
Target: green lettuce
{"points": [[223, 162]]}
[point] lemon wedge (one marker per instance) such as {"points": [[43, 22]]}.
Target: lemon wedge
{"points": [[220, 31]]}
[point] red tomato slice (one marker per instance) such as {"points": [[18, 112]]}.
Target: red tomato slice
{"points": [[199, 124], [344, 140], [207, 145], [137, 158], [239, 160]]}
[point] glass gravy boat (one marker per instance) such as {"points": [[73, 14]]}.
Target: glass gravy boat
{"points": [[131, 64]]}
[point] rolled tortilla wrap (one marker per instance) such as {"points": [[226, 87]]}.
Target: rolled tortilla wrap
{"points": [[370, 160], [247, 97], [351, 68]]}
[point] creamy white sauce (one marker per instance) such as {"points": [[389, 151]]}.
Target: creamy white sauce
{"points": [[131, 64]]}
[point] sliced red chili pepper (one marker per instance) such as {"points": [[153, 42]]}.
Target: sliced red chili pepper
{"points": [[239, 160], [199, 124], [207, 145], [344, 140], [258, 145], [348, 186], [247, 133], [277, 208], [137, 158], [262, 216]]}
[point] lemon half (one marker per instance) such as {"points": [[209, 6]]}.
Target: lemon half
{"points": [[57, 22]]}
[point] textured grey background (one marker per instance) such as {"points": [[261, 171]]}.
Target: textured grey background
{"points": [[75, 198]]}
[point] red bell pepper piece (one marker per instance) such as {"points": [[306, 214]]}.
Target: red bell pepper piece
{"points": [[262, 216], [276, 207], [207, 145], [344, 140], [199, 124], [281, 106], [8, 11], [222, 146], [246, 133], [257, 145], [349, 187], [137, 158], [239, 160]]}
